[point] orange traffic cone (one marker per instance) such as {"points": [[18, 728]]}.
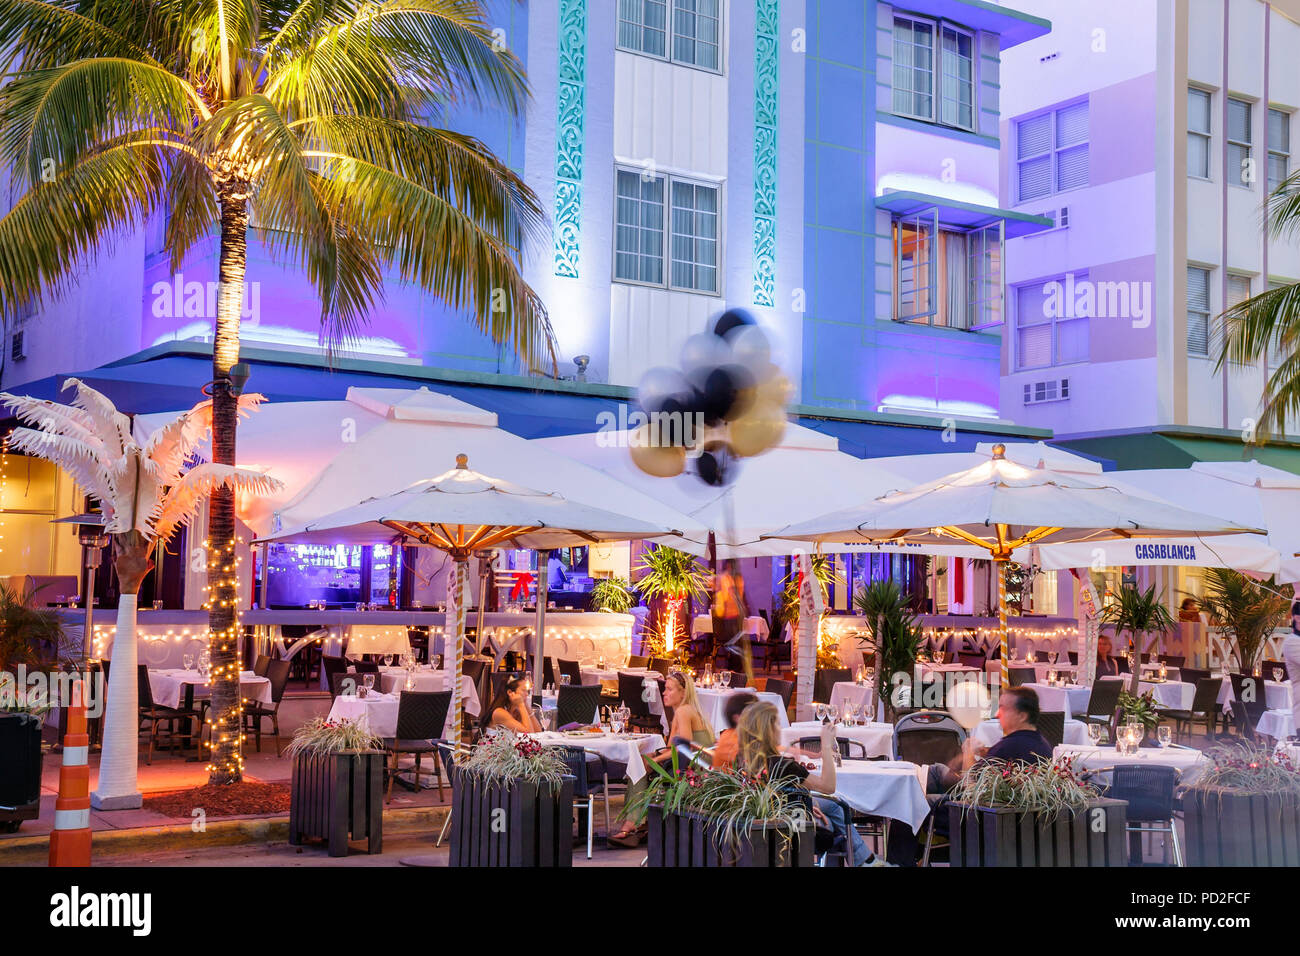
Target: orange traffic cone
{"points": [[70, 841]]}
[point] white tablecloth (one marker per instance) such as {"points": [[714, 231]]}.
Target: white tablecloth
{"points": [[594, 675], [378, 639], [1189, 763], [886, 788], [168, 686], [928, 669], [393, 679], [624, 748], [990, 732], [1070, 700], [755, 626], [878, 739], [380, 712], [1278, 724], [1277, 696], [714, 699]]}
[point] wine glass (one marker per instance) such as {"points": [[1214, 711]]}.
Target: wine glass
{"points": [[1278, 674], [819, 711], [1051, 657], [388, 660], [1094, 733], [564, 680], [725, 677], [188, 661], [1138, 730], [368, 681], [1164, 735], [832, 712]]}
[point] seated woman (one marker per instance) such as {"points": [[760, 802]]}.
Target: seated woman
{"points": [[688, 727], [728, 745], [761, 751], [510, 709]]}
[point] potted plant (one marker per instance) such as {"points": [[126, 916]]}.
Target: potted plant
{"points": [[673, 579], [1144, 708], [612, 594], [1244, 810], [1245, 612], [705, 818], [897, 639], [1146, 618], [1040, 814], [511, 805], [337, 785]]}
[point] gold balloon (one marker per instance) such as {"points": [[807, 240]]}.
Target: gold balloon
{"points": [[774, 388], [758, 430], [661, 461]]}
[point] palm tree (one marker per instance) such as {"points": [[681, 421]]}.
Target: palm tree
{"points": [[895, 634], [1269, 323], [145, 491], [305, 116], [676, 578], [1245, 611], [1141, 613]]}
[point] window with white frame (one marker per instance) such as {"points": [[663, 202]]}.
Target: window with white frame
{"points": [[1198, 133], [663, 219], [693, 36], [1240, 165], [1048, 330], [1279, 147], [1198, 311], [1052, 152], [947, 277], [934, 71]]}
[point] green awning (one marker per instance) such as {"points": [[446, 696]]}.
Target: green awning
{"points": [[1182, 447]]}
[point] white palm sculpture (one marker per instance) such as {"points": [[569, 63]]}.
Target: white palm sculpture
{"points": [[146, 491]]}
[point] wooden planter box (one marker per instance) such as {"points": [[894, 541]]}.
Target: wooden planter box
{"points": [[1227, 828], [515, 825], [985, 836], [20, 770], [335, 797], [687, 840]]}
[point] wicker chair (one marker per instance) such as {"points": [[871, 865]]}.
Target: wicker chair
{"points": [[421, 717], [261, 663], [1051, 724], [571, 670], [785, 688], [1102, 701], [928, 736], [1150, 795], [631, 691], [826, 680], [590, 779], [849, 749], [576, 704], [1019, 676], [255, 712], [1204, 709], [157, 715]]}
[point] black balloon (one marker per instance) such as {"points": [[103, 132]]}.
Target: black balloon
{"points": [[731, 320], [718, 395], [716, 465]]}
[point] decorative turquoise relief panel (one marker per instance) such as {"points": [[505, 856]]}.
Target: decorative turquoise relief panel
{"points": [[766, 79], [568, 141]]}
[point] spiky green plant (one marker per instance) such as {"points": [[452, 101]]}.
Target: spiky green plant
{"points": [[502, 758], [320, 736], [29, 635], [895, 633], [667, 572], [1046, 787], [1146, 618], [612, 594], [315, 120], [1243, 767], [1245, 611]]}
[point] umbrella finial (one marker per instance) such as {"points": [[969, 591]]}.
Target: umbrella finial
{"points": [[999, 450], [462, 461]]}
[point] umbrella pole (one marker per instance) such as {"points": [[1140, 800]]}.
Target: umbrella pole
{"points": [[539, 653], [484, 569], [460, 571], [1001, 565]]}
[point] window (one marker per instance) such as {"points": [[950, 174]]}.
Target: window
{"points": [[640, 234], [695, 37], [1240, 166], [919, 59], [1198, 311], [1052, 152], [1198, 134], [1279, 147], [947, 277], [1048, 332]]}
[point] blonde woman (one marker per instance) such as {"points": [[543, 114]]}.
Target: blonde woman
{"points": [[761, 753], [689, 727]]}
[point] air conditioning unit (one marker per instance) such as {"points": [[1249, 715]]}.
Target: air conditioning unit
{"points": [[17, 348], [1060, 217], [1051, 390]]}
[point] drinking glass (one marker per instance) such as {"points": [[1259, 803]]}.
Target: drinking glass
{"points": [[1278, 674], [725, 677], [564, 680], [832, 712], [1138, 730], [368, 681], [388, 660], [1164, 735], [819, 711], [1094, 733], [1051, 657], [188, 661]]}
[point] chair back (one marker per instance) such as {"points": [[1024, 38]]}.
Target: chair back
{"points": [[1021, 675], [1174, 660], [575, 765], [849, 749], [260, 664], [783, 687], [826, 680], [571, 669], [971, 659], [277, 672], [548, 672], [1104, 697], [331, 666], [1192, 675], [1121, 663], [576, 704], [422, 715], [928, 736], [663, 665], [1206, 698], [738, 679], [1051, 724], [474, 670], [143, 690], [631, 691], [638, 660], [366, 667], [344, 683], [1074, 657], [1149, 791]]}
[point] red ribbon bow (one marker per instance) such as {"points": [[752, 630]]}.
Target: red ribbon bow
{"points": [[523, 584]]}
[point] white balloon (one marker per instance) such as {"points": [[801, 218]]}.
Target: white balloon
{"points": [[750, 347], [704, 352], [968, 702], [658, 383]]}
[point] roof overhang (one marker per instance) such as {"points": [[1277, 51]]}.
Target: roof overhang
{"points": [[963, 215], [1012, 26]]}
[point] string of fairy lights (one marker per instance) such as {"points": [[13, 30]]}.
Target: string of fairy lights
{"points": [[223, 578]]}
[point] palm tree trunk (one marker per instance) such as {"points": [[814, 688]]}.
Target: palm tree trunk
{"points": [[117, 787], [226, 719]]}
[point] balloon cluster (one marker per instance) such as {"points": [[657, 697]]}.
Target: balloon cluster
{"points": [[726, 402]]}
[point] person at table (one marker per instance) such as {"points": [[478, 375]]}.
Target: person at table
{"points": [[510, 709], [1189, 611], [761, 753], [1107, 666], [1291, 656], [688, 727], [728, 746]]}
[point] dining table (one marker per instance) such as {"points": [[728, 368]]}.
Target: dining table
{"points": [[1099, 760], [713, 701], [624, 749], [989, 732], [1278, 724], [1069, 699], [877, 739], [177, 687], [379, 711], [884, 788], [424, 679]]}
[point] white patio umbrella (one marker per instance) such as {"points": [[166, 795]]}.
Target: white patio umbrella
{"points": [[461, 511], [999, 506]]}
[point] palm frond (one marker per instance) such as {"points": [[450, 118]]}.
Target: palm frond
{"points": [[112, 427], [181, 500], [79, 458], [47, 34]]}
